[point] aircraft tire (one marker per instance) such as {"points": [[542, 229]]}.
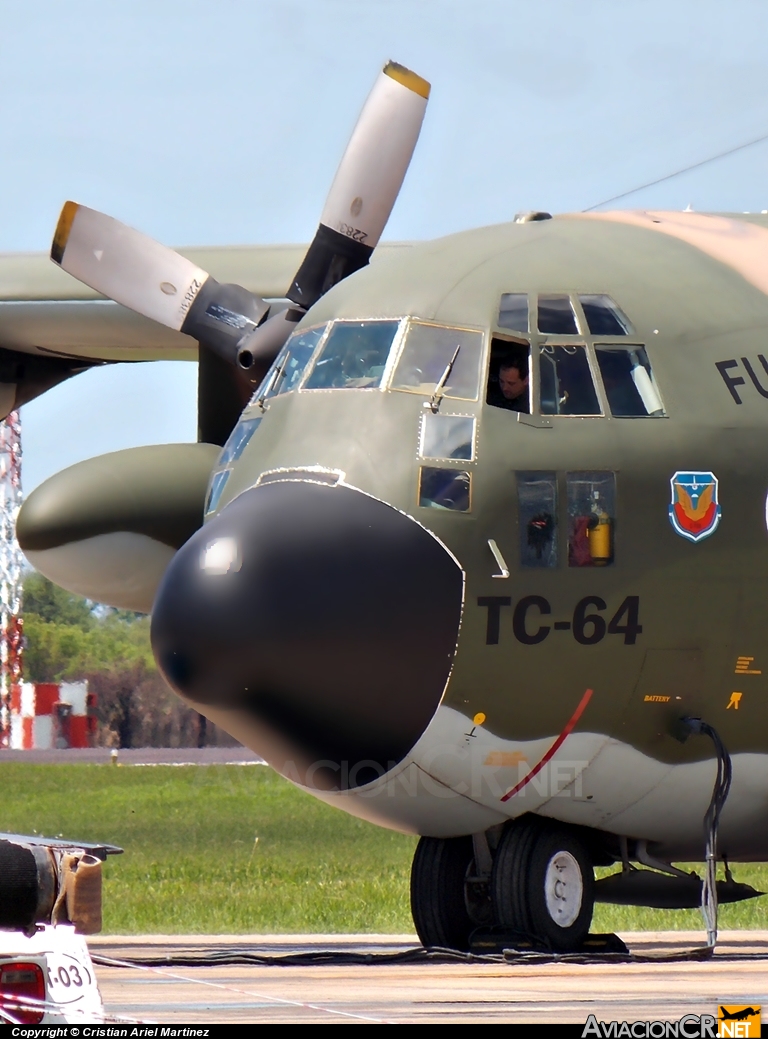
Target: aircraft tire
{"points": [[543, 883], [438, 884]]}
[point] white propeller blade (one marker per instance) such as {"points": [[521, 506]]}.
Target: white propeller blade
{"points": [[374, 165], [126, 265], [366, 184], [153, 280]]}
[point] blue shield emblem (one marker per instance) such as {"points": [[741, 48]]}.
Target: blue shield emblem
{"points": [[694, 510]]}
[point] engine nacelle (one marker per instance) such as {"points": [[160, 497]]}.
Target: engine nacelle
{"points": [[108, 527]]}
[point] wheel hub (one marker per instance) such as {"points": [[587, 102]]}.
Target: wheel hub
{"points": [[563, 888]]}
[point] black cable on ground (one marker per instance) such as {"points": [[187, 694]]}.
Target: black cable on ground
{"points": [[334, 958]]}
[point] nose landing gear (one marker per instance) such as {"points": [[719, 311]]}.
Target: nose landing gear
{"points": [[541, 887]]}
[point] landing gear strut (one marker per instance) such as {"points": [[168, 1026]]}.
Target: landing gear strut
{"points": [[542, 887]]}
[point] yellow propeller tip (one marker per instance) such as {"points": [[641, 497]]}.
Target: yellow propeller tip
{"points": [[61, 235], [409, 79]]}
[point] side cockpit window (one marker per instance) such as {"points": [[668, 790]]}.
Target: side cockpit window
{"points": [[566, 382], [569, 355], [628, 381]]}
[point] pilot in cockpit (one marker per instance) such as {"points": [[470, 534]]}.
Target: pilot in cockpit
{"points": [[508, 380]]}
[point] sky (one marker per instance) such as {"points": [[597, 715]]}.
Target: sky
{"points": [[222, 123]]}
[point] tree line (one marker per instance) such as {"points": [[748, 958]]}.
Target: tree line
{"points": [[68, 638]]}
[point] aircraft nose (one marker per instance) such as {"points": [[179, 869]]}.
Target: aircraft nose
{"points": [[316, 624]]}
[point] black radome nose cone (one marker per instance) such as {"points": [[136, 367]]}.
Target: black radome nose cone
{"points": [[320, 620]]}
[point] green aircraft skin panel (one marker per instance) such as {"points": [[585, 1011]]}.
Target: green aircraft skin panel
{"points": [[701, 605], [158, 491]]}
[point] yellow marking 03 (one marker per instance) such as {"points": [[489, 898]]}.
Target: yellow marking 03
{"points": [[479, 718], [734, 701]]}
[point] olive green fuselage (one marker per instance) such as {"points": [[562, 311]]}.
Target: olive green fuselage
{"points": [[700, 605]]}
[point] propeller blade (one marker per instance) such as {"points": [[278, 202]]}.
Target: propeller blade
{"points": [[153, 280], [366, 184]]}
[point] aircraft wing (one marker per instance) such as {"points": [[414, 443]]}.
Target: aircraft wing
{"points": [[46, 312]]}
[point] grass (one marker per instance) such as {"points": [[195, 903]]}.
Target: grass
{"points": [[193, 864]]}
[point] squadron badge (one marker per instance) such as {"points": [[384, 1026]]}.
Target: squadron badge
{"points": [[694, 510]]}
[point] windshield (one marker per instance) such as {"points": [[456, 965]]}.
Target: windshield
{"points": [[427, 352], [353, 356], [238, 440], [288, 367]]}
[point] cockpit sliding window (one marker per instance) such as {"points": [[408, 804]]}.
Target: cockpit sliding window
{"points": [[508, 375]]}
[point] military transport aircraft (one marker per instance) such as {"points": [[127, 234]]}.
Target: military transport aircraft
{"points": [[474, 541]]}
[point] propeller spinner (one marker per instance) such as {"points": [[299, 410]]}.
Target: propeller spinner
{"points": [[157, 282]]}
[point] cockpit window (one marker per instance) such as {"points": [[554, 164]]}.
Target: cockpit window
{"points": [[556, 316], [513, 311], [238, 441], [447, 436], [288, 367], [628, 381], [426, 354], [604, 318], [353, 356], [508, 376], [566, 382], [217, 486], [445, 489]]}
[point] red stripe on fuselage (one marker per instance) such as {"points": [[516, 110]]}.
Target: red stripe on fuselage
{"points": [[555, 746]]}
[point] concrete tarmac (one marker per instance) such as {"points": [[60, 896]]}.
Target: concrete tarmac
{"points": [[476, 993]]}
